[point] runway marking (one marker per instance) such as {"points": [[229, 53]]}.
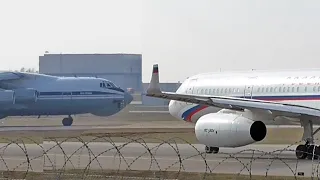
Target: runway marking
{"points": [[223, 159]]}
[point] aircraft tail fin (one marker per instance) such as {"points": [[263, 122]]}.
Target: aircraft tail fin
{"points": [[154, 87]]}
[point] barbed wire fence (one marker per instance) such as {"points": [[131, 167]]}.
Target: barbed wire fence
{"points": [[101, 157]]}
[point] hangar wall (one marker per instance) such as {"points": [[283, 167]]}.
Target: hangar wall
{"points": [[125, 70]]}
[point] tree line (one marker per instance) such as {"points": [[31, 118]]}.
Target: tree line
{"points": [[30, 70]]}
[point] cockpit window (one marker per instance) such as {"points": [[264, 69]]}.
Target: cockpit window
{"points": [[106, 84], [112, 84]]}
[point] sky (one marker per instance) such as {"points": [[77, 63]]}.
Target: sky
{"points": [[184, 37]]}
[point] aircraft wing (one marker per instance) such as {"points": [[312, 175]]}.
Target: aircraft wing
{"points": [[5, 76], [276, 108]]}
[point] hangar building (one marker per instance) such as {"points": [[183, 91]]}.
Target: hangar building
{"points": [[125, 70]]}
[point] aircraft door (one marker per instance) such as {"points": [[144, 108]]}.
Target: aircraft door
{"points": [[190, 87], [248, 92]]}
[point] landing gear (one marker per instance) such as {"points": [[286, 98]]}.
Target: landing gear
{"points": [[67, 121], [308, 150], [213, 150]]}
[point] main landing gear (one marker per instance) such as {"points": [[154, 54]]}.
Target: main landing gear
{"points": [[309, 150], [210, 150], [67, 121]]}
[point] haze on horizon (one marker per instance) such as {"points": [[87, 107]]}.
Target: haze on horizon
{"points": [[185, 37]]}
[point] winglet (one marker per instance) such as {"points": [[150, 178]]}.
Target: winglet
{"points": [[154, 83]]}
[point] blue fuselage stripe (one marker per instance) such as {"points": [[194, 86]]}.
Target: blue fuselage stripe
{"points": [[77, 93]]}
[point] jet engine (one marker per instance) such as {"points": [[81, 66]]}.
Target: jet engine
{"points": [[228, 130], [23, 96], [6, 97]]}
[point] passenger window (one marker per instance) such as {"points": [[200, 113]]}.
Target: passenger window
{"points": [[230, 90], [201, 91], [267, 89], [318, 88], [314, 88], [271, 89], [258, 90], [292, 89], [305, 89], [209, 91], [262, 89], [297, 89], [275, 89], [226, 91], [214, 91], [288, 89], [279, 89]]}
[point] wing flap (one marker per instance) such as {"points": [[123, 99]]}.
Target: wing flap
{"points": [[233, 103]]}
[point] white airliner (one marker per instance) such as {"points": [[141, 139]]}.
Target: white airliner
{"points": [[231, 109]]}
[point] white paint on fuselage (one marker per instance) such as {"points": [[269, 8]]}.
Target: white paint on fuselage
{"points": [[290, 86]]}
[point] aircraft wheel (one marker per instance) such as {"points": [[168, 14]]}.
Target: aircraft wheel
{"points": [[67, 121], [301, 151], [313, 152], [213, 150]]}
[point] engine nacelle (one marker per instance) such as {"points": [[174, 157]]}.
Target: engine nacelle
{"points": [[228, 130], [25, 96], [6, 97]]}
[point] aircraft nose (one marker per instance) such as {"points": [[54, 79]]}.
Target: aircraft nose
{"points": [[128, 97]]}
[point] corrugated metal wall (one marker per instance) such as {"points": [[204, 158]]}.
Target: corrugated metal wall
{"points": [[124, 70], [150, 101]]}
